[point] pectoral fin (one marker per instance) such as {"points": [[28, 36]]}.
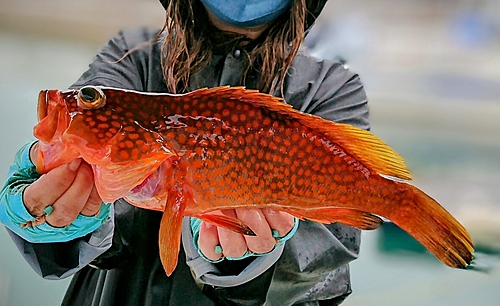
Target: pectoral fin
{"points": [[169, 238]]}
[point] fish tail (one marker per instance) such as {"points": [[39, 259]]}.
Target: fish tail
{"points": [[435, 228]]}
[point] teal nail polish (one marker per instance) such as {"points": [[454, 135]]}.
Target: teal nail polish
{"points": [[275, 233], [218, 249], [48, 210]]}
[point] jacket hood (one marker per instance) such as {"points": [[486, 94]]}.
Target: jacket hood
{"points": [[314, 8]]}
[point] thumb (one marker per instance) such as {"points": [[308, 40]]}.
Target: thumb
{"points": [[49, 187]]}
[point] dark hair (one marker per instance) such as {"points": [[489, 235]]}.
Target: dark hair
{"points": [[190, 42]]}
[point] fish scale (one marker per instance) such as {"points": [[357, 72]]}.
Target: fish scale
{"points": [[226, 148]]}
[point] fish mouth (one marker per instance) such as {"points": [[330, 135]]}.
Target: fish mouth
{"points": [[45, 98], [42, 105], [53, 121], [53, 117]]}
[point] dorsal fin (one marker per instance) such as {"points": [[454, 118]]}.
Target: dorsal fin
{"points": [[363, 145]]}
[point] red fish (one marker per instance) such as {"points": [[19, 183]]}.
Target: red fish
{"points": [[226, 148]]}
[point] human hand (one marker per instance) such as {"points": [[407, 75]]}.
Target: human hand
{"points": [[69, 189], [267, 224]]}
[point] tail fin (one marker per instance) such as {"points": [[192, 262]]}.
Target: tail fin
{"points": [[435, 229]]}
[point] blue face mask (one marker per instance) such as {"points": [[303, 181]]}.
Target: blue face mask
{"points": [[246, 13]]}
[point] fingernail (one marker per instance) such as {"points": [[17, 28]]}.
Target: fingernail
{"points": [[275, 233], [48, 210], [75, 164], [218, 249]]}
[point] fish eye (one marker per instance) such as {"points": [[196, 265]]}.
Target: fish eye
{"points": [[91, 97]]}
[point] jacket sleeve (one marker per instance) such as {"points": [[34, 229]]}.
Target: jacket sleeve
{"points": [[50, 260], [63, 259]]}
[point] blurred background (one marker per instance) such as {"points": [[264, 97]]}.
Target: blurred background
{"points": [[431, 69]]}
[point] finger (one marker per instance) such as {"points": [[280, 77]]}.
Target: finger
{"points": [[49, 187], [232, 243], [34, 152], [70, 204], [279, 221], [208, 240], [93, 204], [263, 242]]}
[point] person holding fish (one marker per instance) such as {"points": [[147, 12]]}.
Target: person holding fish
{"points": [[56, 212]]}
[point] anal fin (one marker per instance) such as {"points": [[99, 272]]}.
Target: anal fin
{"points": [[352, 217], [233, 224]]}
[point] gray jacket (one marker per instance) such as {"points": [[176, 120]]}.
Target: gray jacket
{"points": [[118, 264]]}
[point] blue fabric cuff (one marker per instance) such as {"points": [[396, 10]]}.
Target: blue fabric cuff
{"points": [[195, 228], [13, 213]]}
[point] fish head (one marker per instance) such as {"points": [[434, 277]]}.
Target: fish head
{"points": [[109, 128], [62, 130]]}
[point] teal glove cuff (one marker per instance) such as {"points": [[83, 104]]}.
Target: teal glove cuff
{"points": [[13, 213], [195, 228]]}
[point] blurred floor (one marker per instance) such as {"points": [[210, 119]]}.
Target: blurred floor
{"points": [[434, 96]]}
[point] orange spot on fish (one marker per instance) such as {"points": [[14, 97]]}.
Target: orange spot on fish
{"points": [[273, 146], [191, 130], [198, 151], [197, 164], [129, 144], [241, 154], [135, 153], [102, 118], [148, 138], [169, 135], [209, 163], [181, 139], [123, 154]]}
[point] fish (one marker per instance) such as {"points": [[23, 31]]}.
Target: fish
{"points": [[230, 147]]}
